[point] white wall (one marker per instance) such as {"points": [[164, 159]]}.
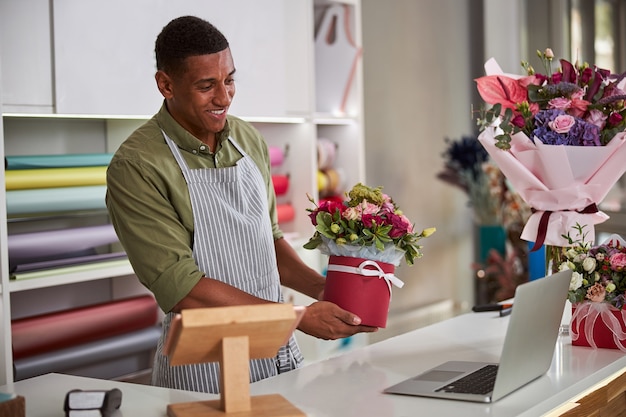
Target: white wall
{"points": [[417, 91], [419, 65]]}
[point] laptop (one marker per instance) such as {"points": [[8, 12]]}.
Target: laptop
{"points": [[532, 332]]}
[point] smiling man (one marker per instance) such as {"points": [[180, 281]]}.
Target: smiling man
{"points": [[191, 199]]}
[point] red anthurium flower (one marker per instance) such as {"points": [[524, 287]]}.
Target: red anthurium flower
{"points": [[499, 89]]}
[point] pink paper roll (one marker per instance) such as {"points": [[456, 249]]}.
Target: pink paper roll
{"points": [[277, 156], [326, 153], [281, 184], [285, 212]]}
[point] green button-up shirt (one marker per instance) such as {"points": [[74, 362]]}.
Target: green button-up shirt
{"points": [[148, 199]]}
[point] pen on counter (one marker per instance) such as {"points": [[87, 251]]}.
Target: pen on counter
{"points": [[506, 311], [491, 307]]}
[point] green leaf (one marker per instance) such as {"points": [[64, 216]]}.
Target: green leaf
{"points": [[314, 242]]}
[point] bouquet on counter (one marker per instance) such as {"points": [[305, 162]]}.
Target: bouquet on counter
{"points": [[599, 272], [365, 236], [597, 291], [559, 138]]}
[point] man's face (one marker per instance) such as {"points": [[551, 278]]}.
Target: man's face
{"points": [[199, 97]]}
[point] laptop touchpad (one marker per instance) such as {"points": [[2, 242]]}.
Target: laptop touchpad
{"points": [[438, 376]]}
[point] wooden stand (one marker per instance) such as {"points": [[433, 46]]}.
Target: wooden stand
{"points": [[232, 336], [15, 407]]}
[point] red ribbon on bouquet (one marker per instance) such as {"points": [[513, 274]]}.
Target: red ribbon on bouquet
{"points": [[543, 223]]}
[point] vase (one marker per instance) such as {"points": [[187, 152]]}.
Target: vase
{"points": [[361, 286], [488, 237], [598, 325], [537, 262]]}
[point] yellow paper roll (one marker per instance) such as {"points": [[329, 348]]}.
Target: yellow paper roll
{"points": [[322, 181], [25, 179]]}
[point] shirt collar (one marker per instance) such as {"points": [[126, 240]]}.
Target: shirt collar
{"points": [[183, 138]]}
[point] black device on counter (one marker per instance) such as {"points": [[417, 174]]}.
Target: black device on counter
{"points": [[96, 403]]}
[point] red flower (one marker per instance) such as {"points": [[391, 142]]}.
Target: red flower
{"points": [[328, 206], [504, 90], [400, 227], [615, 119]]}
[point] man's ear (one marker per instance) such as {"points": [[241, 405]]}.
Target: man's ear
{"points": [[164, 84]]}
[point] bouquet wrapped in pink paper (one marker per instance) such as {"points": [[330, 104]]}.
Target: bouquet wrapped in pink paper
{"points": [[559, 139]]}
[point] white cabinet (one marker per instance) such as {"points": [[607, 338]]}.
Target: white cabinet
{"points": [[104, 53], [103, 84], [26, 56]]}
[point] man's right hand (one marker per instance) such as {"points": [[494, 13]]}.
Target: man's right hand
{"points": [[328, 321]]}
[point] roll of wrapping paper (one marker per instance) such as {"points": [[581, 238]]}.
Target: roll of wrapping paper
{"points": [[57, 161], [52, 331], [33, 246], [326, 153], [26, 179], [285, 213], [55, 200], [63, 262], [335, 180], [322, 182], [277, 156], [281, 184], [105, 353]]}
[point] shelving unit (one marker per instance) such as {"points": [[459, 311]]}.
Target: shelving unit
{"points": [[88, 100]]}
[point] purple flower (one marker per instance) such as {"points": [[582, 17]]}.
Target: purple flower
{"points": [[580, 134]]}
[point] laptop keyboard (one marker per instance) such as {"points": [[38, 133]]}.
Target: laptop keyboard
{"points": [[479, 382]]}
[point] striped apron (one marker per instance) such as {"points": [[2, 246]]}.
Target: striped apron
{"points": [[233, 242]]}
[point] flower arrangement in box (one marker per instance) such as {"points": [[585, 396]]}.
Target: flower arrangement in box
{"points": [[597, 291], [366, 237], [559, 138]]}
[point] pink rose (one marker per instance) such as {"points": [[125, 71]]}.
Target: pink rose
{"points": [[618, 261], [596, 117], [562, 123], [596, 293], [560, 103], [578, 107]]}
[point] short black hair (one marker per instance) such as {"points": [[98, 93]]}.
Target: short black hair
{"points": [[183, 37]]}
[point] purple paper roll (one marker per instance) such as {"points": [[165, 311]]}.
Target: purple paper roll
{"points": [[61, 262], [26, 247]]}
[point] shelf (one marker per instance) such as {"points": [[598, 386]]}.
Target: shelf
{"points": [[72, 275], [327, 119], [276, 120], [76, 116]]}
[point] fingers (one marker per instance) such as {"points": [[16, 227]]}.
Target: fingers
{"points": [[328, 321]]}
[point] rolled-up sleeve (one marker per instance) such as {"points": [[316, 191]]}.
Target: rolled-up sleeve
{"points": [[158, 243]]}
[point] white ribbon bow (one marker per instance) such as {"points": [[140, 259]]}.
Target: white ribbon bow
{"points": [[390, 279], [591, 312]]}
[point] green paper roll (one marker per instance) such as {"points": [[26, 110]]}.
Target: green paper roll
{"points": [[58, 161], [24, 179], [53, 200]]}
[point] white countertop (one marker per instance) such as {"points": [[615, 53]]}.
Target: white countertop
{"points": [[351, 384]]}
